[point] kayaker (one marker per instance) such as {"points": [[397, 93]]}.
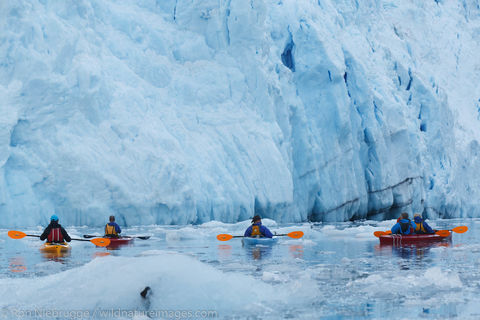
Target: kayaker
{"points": [[112, 229], [257, 230], [421, 227], [404, 226], [54, 232]]}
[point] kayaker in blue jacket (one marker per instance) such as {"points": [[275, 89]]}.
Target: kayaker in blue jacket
{"points": [[421, 227], [404, 226], [112, 229], [257, 230]]}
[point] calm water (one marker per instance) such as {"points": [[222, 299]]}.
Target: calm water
{"points": [[342, 267]]}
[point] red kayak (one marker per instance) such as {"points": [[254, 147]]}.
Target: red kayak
{"points": [[121, 241], [421, 239]]}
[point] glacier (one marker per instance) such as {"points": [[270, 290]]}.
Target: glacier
{"points": [[181, 111]]}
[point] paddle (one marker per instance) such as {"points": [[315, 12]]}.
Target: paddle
{"points": [[100, 242], [293, 234], [446, 233], [381, 233], [136, 237]]}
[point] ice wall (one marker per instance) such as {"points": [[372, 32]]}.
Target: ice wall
{"points": [[188, 111]]}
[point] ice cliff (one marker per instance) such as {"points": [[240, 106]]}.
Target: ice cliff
{"points": [[185, 111]]}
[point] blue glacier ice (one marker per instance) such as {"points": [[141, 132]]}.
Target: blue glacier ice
{"points": [[180, 111]]}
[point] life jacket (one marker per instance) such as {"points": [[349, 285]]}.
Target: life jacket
{"points": [[255, 231], [419, 228], [405, 226], [110, 230], [55, 235]]}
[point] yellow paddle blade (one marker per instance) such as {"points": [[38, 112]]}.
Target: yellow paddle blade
{"points": [[16, 234], [224, 237], [100, 242], [443, 233], [295, 234], [460, 229]]}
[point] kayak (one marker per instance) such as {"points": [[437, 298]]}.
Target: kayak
{"points": [[55, 249], [121, 241], [422, 239], [261, 241]]}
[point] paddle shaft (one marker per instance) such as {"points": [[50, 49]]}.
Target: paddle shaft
{"points": [[275, 235], [293, 234], [80, 239], [37, 236], [136, 237]]}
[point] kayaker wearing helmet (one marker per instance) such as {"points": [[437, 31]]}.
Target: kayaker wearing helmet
{"points": [[54, 232], [112, 229], [421, 227], [404, 226], [257, 230]]}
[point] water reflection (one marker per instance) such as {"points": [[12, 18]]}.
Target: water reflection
{"points": [[99, 254], [17, 264], [411, 256], [258, 252], [224, 251], [118, 243], [296, 251], [117, 246], [55, 257], [55, 253]]}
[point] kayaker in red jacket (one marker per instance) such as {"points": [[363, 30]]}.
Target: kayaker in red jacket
{"points": [[54, 232]]}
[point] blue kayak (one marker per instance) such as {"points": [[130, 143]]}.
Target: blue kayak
{"points": [[254, 241]]}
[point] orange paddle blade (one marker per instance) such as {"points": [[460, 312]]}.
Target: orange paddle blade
{"points": [[100, 242], [379, 233], [224, 237], [443, 233], [295, 234], [460, 229], [16, 234], [388, 232]]}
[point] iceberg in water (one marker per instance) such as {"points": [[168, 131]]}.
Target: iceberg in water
{"points": [[176, 112]]}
